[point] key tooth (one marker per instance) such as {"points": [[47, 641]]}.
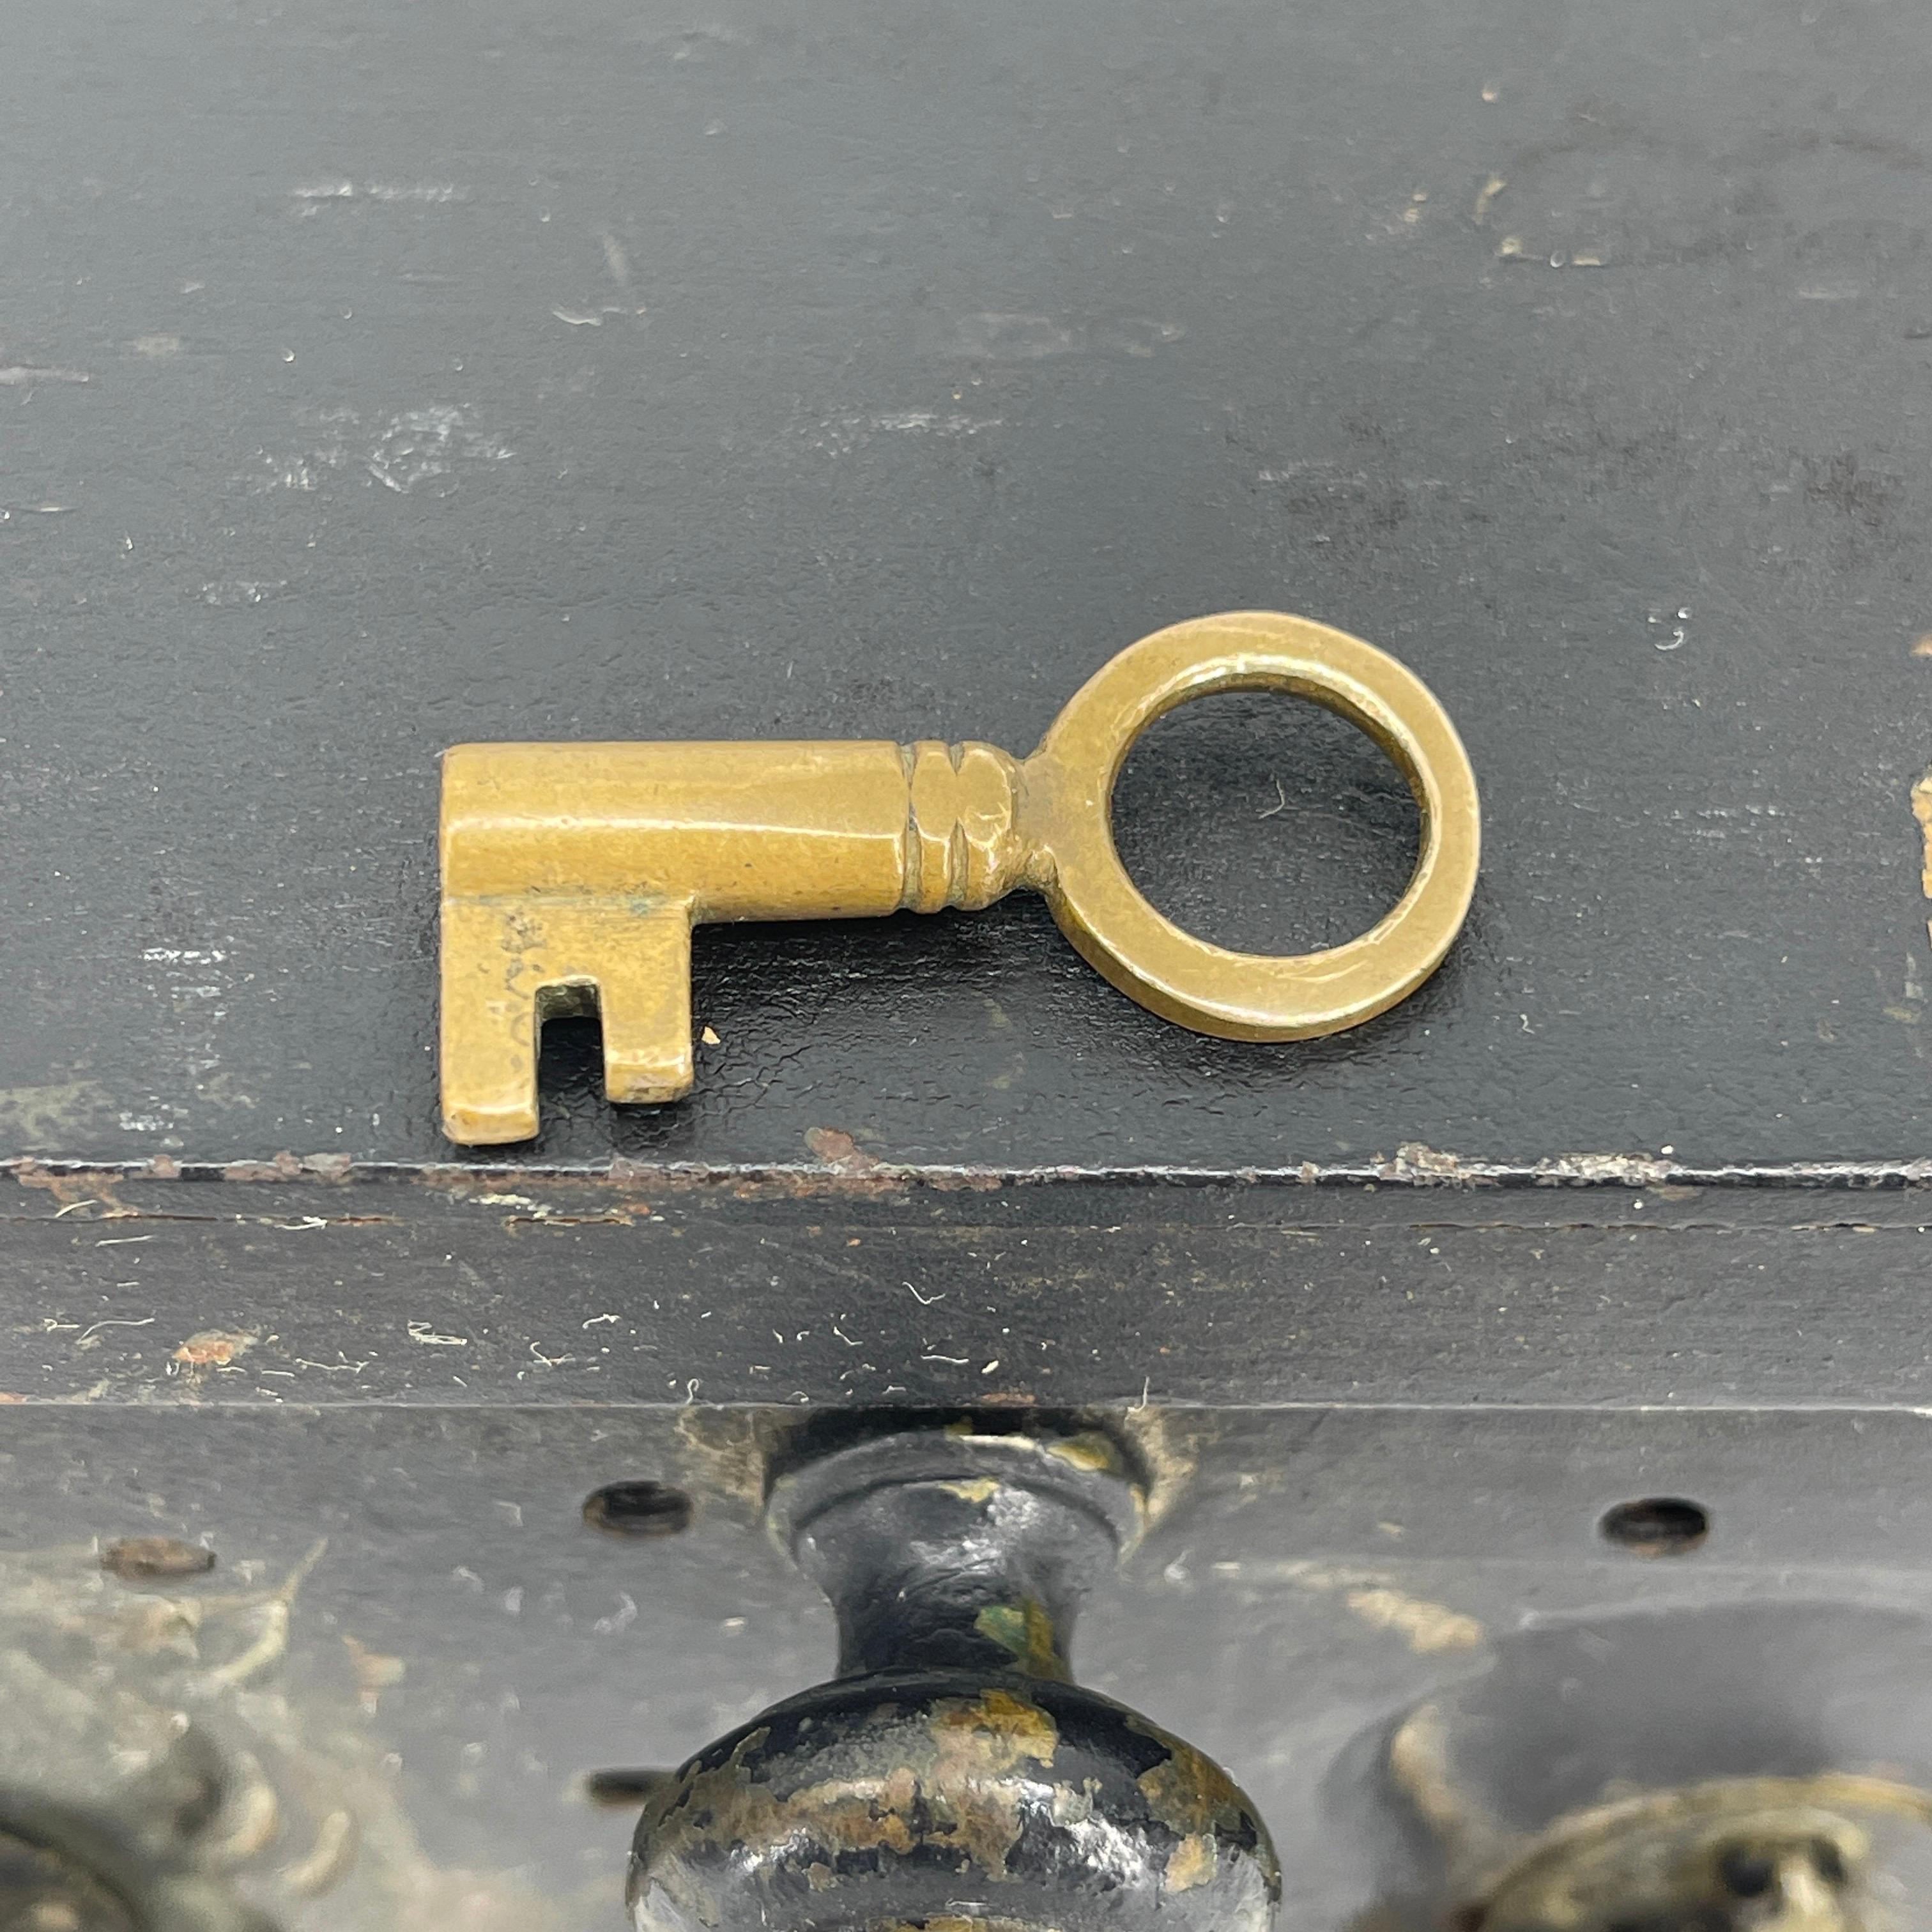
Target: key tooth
{"points": [[508, 965]]}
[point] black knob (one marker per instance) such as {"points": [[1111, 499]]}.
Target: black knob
{"points": [[952, 1773]]}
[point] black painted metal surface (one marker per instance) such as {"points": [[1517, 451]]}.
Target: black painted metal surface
{"points": [[1313, 1578], [375, 382], [237, 1294]]}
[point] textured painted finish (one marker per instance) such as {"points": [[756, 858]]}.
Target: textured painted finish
{"points": [[971, 342], [510, 1291], [573, 873], [1319, 1573]]}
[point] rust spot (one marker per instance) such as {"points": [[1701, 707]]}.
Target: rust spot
{"points": [[283, 1166], [214, 1347], [838, 1149], [147, 1559], [287, 1166], [76, 1187]]}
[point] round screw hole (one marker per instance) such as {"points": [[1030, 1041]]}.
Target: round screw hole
{"points": [[637, 1509], [1747, 1873], [1657, 1526]]}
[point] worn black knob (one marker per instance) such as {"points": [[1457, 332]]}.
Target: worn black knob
{"points": [[952, 1774]]}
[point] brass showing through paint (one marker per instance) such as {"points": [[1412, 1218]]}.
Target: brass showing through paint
{"points": [[573, 873], [1731, 1855]]}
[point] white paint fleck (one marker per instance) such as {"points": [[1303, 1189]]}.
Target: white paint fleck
{"points": [[421, 1331], [230, 592], [431, 194], [840, 436], [421, 444], [622, 1620]]}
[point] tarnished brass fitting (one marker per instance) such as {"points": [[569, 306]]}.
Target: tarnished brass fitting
{"points": [[1728, 1855]]}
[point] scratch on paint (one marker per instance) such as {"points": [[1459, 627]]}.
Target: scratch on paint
{"points": [[1921, 810]]}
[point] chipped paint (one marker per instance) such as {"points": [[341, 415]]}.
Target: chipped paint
{"points": [[903, 1794], [1026, 1631], [1191, 1863], [1427, 1166], [1092, 1451], [1168, 1445], [1653, 1857], [1427, 1628], [40, 1119], [310, 1804], [727, 1453], [287, 1166], [1002, 1728], [980, 1489], [1188, 1792], [890, 1786]]}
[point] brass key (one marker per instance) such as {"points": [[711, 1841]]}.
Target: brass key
{"points": [[572, 875]]}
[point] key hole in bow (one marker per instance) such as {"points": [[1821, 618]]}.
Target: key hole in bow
{"points": [[1263, 822]]}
